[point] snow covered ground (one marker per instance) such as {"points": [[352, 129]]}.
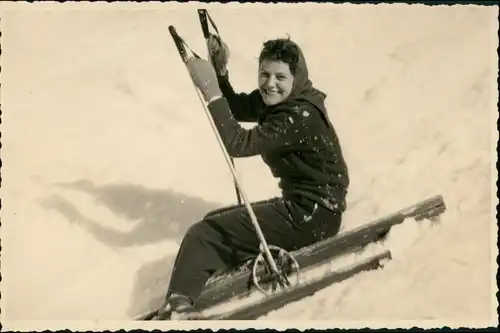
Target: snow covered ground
{"points": [[108, 157]]}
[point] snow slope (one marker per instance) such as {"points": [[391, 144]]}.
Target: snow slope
{"points": [[108, 157]]}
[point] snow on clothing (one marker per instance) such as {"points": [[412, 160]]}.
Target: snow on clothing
{"points": [[297, 141]]}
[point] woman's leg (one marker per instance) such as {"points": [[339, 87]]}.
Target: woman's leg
{"points": [[227, 237]]}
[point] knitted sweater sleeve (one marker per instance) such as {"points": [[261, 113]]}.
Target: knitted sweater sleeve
{"points": [[285, 127]]}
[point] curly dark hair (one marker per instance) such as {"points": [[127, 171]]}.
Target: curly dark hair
{"points": [[281, 49]]}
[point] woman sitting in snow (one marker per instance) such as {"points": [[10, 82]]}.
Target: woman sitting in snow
{"points": [[294, 137]]}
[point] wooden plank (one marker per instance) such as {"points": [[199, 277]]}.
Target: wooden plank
{"points": [[254, 311]]}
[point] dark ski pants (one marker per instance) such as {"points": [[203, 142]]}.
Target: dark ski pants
{"points": [[226, 237]]}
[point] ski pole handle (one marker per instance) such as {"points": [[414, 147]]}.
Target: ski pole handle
{"points": [[178, 43], [202, 13], [181, 45], [204, 18]]}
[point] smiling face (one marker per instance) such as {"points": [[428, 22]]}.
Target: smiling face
{"points": [[275, 81]]}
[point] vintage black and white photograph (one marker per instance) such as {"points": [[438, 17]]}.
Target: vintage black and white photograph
{"points": [[248, 165]]}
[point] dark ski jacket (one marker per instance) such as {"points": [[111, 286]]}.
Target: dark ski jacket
{"points": [[295, 138]]}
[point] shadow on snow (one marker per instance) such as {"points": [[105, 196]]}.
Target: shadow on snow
{"points": [[157, 215]]}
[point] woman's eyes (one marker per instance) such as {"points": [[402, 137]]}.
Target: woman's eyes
{"points": [[279, 77]]}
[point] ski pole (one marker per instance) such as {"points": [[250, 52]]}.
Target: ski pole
{"points": [[180, 44], [203, 15]]}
